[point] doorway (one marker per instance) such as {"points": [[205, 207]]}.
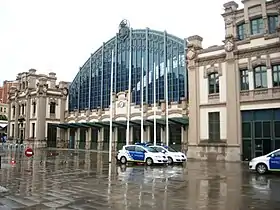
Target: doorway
{"points": [[51, 136]]}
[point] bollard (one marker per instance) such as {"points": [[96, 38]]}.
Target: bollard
{"points": [[0, 161]]}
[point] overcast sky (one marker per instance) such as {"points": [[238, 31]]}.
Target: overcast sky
{"points": [[59, 35]]}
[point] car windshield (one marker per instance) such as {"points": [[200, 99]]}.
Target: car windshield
{"points": [[150, 149]]}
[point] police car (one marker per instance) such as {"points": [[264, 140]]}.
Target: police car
{"points": [[140, 154], [265, 163], [173, 156]]}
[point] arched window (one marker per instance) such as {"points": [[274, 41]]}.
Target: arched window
{"points": [[260, 77], [213, 80]]}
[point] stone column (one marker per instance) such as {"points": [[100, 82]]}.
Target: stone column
{"points": [[148, 133], [77, 138], [27, 122], [62, 120], [163, 136], [88, 138], [115, 139], [100, 139], [233, 124], [9, 120], [184, 138], [67, 135], [16, 120], [41, 119], [131, 135], [194, 44]]}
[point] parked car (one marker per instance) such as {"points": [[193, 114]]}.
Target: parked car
{"points": [[265, 163], [140, 154], [173, 155]]}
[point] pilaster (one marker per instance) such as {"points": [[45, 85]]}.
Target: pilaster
{"points": [[100, 139], [232, 94], [77, 138], [16, 119], [27, 123], [115, 139], [88, 138], [163, 136]]}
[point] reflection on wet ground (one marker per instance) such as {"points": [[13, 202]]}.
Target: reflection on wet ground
{"points": [[64, 179]]}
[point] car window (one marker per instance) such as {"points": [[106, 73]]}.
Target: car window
{"points": [[170, 149], [150, 149], [139, 149], [276, 154], [130, 148], [159, 149]]}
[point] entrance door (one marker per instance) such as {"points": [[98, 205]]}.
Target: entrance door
{"points": [[274, 161], [51, 136], [262, 147]]}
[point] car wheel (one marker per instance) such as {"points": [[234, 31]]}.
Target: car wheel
{"points": [[170, 160], [261, 168], [149, 161], [123, 160]]}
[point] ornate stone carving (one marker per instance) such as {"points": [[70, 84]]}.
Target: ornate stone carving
{"points": [[121, 104], [213, 69], [191, 54], [257, 51], [258, 62], [228, 20], [229, 46]]}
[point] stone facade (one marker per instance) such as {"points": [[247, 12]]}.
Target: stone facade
{"points": [[34, 102], [246, 47]]}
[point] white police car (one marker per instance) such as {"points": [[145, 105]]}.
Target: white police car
{"points": [[265, 163], [140, 154], [173, 156]]}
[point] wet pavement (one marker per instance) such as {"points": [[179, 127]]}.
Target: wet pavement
{"points": [[62, 179]]}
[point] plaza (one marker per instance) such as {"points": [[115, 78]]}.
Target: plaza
{"points": [[67, 179]]}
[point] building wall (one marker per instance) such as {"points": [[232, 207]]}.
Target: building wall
{"points": [[31, 102], [4, 91], [242, 50]]}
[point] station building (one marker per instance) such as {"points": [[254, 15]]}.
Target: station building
{"points": [[220, 103], [35, 102], [234, 89], [156, 62]]}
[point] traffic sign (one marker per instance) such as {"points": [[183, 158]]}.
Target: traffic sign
{"points": [[29, 152]]}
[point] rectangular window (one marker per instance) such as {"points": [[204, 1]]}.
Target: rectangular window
{"points": [[241, 31], [214, 126], [33, 130], [272, 24], [34, 108], [276, 75], [244, 79], [260, 77], [52, 108], [14, 111], [257, 26], [13, 130]]}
